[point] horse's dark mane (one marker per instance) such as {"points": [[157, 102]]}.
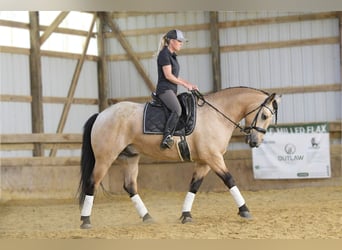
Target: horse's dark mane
{"points": [[240, 87], [246, 87]]}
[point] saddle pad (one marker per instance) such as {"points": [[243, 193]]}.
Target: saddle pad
{"points": [[155, 117]]}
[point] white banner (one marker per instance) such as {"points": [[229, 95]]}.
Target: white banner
{"points": [[292, 152]]}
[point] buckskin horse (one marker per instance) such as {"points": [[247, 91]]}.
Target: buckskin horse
{"points": [[116, 134]]}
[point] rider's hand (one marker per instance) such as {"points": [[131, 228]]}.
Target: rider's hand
{"points": [[192, 87]]}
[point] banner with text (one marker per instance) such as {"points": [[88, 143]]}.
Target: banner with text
{"points": [[292, 152]]}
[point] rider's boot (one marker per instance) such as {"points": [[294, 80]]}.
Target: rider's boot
{"points": [[170, 127]]}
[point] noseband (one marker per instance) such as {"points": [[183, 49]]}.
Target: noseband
{"points": [[245, 130]]}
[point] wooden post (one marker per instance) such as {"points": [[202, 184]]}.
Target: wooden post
{"points": [[340, 26], [127, 47], [215, 50], [36, 81], [102, 67]]}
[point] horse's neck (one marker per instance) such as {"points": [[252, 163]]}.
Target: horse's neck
{"points": [[236, 103]]}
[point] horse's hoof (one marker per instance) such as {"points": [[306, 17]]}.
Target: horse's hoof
{"points": [[186, 220], [186, 217], [85, 225], [245, 214], [85, 222], [147, 218]]}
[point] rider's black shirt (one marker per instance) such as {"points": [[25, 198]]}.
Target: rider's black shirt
{"points": [[165, 57]]}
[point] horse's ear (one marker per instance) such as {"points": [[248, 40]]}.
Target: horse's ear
{"points": [[274, 97], [271, 98], [277, 98]]}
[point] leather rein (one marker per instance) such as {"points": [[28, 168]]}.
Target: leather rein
{"points": [[245, 130]]}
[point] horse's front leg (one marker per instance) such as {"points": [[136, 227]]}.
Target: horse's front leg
{"points": [[221, 170], [130, 165], [201, 170]]}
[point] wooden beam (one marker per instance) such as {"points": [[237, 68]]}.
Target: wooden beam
{"points": [[40, 137], [66, 31], [306, 89], [335, 150], [127, 47], [280, 44], [161, 30], [125, 14], [36, 81], [279, 19], [191, 27], [24, 51], [40, 161], [48, 99], [73, 85], [215, 50], [102, 67], [340, 31], [53, 26]]}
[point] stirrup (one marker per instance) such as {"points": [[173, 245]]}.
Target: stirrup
{"points": [[167, 142]]}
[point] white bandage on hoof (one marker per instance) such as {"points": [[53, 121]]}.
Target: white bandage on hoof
{"points": [[139, 205], [189, 199], [87, 205], [235, 192]]}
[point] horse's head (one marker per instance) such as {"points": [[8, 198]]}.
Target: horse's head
{"points": [[258, 120]]}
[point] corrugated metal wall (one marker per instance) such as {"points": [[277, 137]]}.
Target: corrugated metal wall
{"points": [[286, 67]]}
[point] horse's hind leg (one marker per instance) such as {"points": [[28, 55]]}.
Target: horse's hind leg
{"points": [[130, 165], [200, 172], [100, 170]]}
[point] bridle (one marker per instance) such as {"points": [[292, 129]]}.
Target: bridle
{"points": [[245, 130]]}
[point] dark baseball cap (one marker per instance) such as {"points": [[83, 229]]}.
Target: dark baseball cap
{"points": [[176, 34]]}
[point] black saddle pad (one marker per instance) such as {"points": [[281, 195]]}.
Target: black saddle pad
{"points": [[156, 115]]}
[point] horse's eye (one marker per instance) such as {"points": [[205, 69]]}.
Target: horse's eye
{"points": [[263, 116]]}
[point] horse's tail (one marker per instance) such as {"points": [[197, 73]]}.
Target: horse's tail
{"points": [[86, 185]]}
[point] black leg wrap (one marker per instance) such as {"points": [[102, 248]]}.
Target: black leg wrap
{"points": [[195, 185], [186, 217], [243, 208], [129, 190], [227, 178]]}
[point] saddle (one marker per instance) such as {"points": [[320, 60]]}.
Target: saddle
{"points": [[156, 115]]}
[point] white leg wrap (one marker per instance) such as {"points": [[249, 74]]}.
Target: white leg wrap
{"points": [[87, 205], [139, 205], [239, 200], [189, 199]]}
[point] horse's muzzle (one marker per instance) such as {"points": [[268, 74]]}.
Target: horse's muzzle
{"points": [[251, 142]]}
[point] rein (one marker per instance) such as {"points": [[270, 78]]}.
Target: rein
{"points": [[245, 130]]}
